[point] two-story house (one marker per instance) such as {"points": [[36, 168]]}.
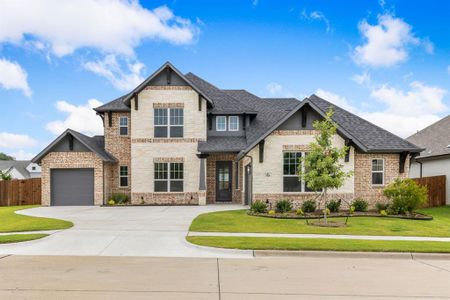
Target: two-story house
{"points": [[177, 139]]}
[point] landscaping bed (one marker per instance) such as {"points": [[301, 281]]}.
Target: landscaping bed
{"points": [[340, 214]]}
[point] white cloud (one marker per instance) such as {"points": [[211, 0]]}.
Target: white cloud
{"points": [[13, 141], [274, 88], [336, 99], [255, 3], [81, 118], [404, 112], [317, 16], [124, 75], [386, 42], [419, 100], [13, 77], [362, 79], [111, 26], [22, 155]]}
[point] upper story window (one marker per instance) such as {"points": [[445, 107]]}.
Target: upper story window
{"points": [[377, 171], [233, 123], [221, 123], [123, 125], [168, 122]]}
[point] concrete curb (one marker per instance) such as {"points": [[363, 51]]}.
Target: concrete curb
{"points": [[343, 254]]}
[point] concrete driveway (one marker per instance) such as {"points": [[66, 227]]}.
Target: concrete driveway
{"points": [[122, 231]]}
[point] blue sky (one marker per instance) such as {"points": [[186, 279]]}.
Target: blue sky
{"points": [[387, 61]]}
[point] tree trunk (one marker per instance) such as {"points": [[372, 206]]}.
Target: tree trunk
{"points": [[325, 205]]}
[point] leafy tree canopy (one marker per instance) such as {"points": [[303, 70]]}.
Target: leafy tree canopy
{"points": [[4, 156]]}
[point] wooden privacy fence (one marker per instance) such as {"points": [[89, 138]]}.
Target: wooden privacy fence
{"points": [[436, 189], [20, 192]]}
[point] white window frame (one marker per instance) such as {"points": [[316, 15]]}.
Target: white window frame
{"points": [[296, 175], [237, 123], [168, 125], [372, 171], [217, 122], [121, 176], [168, 180], [124, 126]]}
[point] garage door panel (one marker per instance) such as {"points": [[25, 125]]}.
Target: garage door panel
{"points": [[72, 187]]}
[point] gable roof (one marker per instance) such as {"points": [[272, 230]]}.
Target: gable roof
{"points": [[20, 166], [435, 139], [96, 144], [114, 105]]}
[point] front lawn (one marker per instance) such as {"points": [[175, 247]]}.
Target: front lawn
{"points": [[15, 238], [246, 243], [12, 222], [239, 221]]}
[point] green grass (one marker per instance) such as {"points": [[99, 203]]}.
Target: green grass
{"points": [[12, 222], [252, 243], [15, 238], [239, 221]]}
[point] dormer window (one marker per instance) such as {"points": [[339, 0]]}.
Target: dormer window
{"points": [[233, 123], [221, 123]]}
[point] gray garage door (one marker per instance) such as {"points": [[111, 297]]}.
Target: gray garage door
{"points": [[72, 186]]}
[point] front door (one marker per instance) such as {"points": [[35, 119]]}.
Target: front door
{"points": [[223, 181]]}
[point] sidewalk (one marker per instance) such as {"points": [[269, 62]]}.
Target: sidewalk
{"points": [[323, 236]]}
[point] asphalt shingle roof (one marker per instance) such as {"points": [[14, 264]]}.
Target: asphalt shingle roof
{"points": [[19, 165], [268, 112], [435, 139]]}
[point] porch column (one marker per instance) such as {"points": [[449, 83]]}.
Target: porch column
{"points": [[202, 181]]}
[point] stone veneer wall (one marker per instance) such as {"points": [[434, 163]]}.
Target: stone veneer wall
{"points": [[363, 175], [211, 177], [72, 160], [146, 149], [120, 147]]}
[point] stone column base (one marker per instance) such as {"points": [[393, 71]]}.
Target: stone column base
{"points": [[202, 198]]}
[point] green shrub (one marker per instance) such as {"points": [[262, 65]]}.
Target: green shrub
{"points": [[309, 206], [299, 212], [284, 206], [383, 212], [334, 205], [360, 204], [326, 211], [119, 198], [381, 206], [111, 202], [271, 212], [406, 196], [258, 207]]}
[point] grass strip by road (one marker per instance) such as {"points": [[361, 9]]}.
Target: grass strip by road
{"points": [[252, 243], [15, 238], [12, 222], [239, 221]]}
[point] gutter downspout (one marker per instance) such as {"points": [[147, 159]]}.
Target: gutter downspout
{"points": [[420, 163]]}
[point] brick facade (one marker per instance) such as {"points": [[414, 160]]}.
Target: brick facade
{"points": [[120, 147], [71, 160], [211, 177]]}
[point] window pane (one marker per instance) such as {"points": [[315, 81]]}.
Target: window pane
{"points": [[160, 186], [123, 121], [176, 131], [123, 130], [161, 131], [291, 162], [176, 171], [291, 184], [176, 186], [233, 123], [160, 116], [123, 181], [377, 178], [221, 123], [123, 171], [176, 116], [161, 171], [377, 165]]}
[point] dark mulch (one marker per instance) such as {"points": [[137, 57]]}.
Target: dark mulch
{"points": [[319, 215]]}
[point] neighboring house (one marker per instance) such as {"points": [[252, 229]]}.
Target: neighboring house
{"points": [[20, 169], [435, 159], [177, 139]]}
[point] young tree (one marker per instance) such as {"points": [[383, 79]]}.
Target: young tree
{"points": [[5, 176], [322, 164]]}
